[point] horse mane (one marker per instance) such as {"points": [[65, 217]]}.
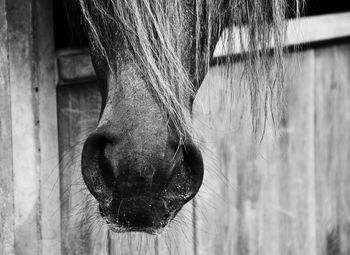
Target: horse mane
{"points": [[152, 29]]}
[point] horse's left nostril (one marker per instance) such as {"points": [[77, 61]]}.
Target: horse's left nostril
{"points": [[185, 175], [163, 175], [194, 163]]}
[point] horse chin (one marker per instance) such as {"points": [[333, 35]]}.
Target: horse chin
{"points": [[151, 231]]}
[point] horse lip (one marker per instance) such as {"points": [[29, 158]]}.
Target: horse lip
{"points": [[147, 230], [157, 228]]}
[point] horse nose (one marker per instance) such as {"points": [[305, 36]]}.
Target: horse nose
{"points": [[97, 172], [111, 166]]}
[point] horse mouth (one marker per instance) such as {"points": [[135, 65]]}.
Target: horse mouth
{"points": [[141, 207], [146, 214], [148, 230]]}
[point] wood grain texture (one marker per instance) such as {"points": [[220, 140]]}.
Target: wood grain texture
{"points": [[239, 197], [251, 211], [217, 216], [48, 134], [332, 120], [297, 163], [33, 119], [6, 169], [78, 109], [73, 66], [25, 135], [299, 31]]}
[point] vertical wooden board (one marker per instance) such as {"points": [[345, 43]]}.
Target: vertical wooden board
{"points": [[297, 170], [48, 134], [6, 170], [227, 204], [25, 131], [268, 202], [245, 188], [78, 110], [332, 148], [268, 209], [326, 157], [342, 54], [210, 209]]}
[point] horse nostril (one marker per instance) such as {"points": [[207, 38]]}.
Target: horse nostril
{"points": [[193, 159], [163, 175], [96, 168], [184, 176]]}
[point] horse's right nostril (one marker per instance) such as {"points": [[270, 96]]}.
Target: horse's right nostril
{"points": [[96, 168]]}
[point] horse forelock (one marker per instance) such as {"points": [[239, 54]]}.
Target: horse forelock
{"points": [[152, 29]]}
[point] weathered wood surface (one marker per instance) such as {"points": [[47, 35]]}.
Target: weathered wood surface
{"points": [[296, 170], [6, 170], [74, 66], [24, 111], [332, 149], [77, 113], [29, 149], [47, 125], [305, 30]]}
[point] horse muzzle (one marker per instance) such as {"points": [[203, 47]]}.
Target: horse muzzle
{"points": [[140, 190]]}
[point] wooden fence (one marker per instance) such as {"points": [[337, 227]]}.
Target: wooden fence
{"points": [[29, 176], [285, 195]]}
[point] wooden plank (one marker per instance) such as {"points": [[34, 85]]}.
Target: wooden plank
{"points": [[77, 64], [299, 31], [48, 134], [239, 199], [297, 163], [34, 122], [82, 231], [211, 218], [25, 136], [332, 149], [268, 199], [318, 28], [74, 65], [225, 207], [6, 168]]}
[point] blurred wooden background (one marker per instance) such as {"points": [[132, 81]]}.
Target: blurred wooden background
{"points": [[285, 195]]}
